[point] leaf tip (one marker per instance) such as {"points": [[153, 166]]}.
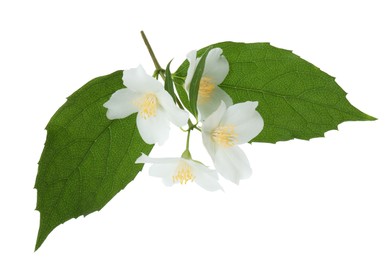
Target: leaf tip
{"points": [[371, 118], [39, 242]]}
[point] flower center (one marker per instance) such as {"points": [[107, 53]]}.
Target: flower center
{"points": [[147, 105], [224, 135], [183, 173], [206, 88]]}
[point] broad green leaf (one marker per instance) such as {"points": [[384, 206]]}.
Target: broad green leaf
{"points": [[194, 85], [296, 99], [87, 159], [168, 84]]}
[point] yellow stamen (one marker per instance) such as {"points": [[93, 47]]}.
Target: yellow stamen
{"points": [[183, 173], [225, 135], [206, 88], [147, 105]]}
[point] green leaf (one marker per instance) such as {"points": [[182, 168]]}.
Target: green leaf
{"points": [[182, 93], [296, 99], [168, 85], [194, 85], [87, 159]]}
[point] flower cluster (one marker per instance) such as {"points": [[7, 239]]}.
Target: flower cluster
{"points": [[224, 125]]}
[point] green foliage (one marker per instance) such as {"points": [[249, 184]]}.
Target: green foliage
{"points": [[194, 85], [168, 84], [87, 158], [296, 99], [182, 93]]}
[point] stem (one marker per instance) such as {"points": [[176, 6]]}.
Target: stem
{"points": [[186, 154], [160, 71], [188, 140], [156, 64]]}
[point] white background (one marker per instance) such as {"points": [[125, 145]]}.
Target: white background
{"points": [[327, 198]]}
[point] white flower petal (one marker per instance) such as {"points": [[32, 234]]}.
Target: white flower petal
{"points": [[176, 115], [193, 62], [208, 126], [206, 178], [208, 107], [250, 129], [163, 171], [247, 122], [216, 66], [138, 81], [121, 104], [153, 129], [167, 168], [162, 167], [232, 164], [146, 159], [209, 144], [214, 119], [220, 94]]}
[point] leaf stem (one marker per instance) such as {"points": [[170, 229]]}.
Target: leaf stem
{"points": [[159, 69]]}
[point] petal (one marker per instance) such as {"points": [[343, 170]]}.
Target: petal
{"points": [[121, 104], [208, 126], [191, 57], [164, 171], [206, 178], [153, 129], [217, 66], [206, 108], [138, 81], [176, 115], [211, 122], [162, 167], [220, 94], [232, 164], [247, 122], [146, 159], [209, 144]]}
